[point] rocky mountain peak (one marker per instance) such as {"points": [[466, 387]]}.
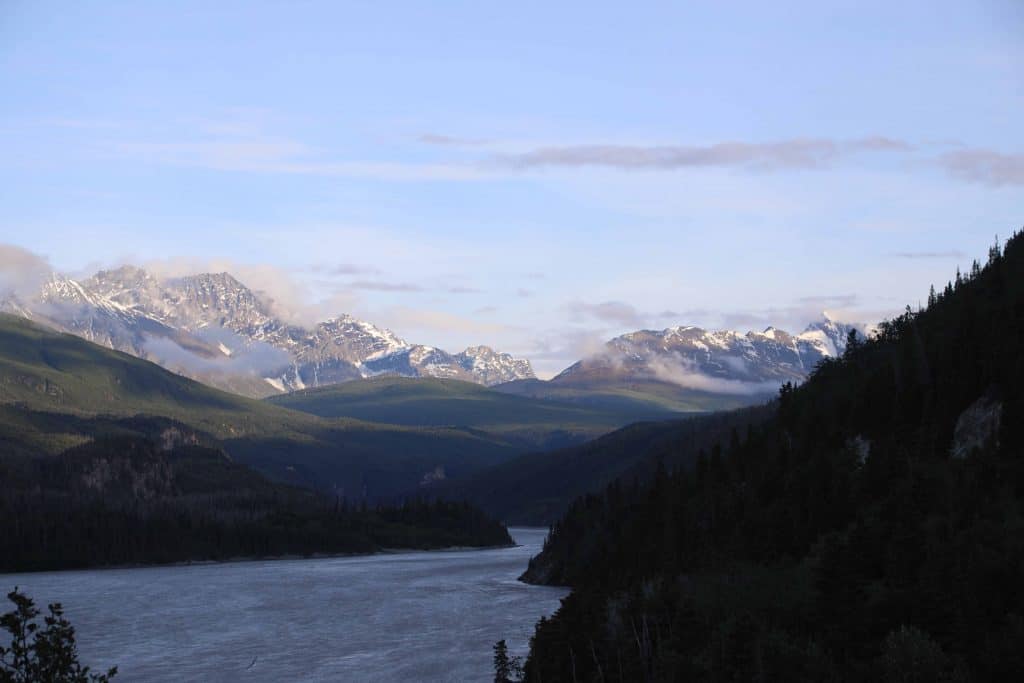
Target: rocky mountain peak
{"points": [[494, 367]]}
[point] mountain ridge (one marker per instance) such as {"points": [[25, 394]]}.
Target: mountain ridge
{"points": [[686, 369], [755, 362], [212, 327]]}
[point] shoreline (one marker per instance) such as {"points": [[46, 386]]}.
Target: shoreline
{"points": [[267, 558]]}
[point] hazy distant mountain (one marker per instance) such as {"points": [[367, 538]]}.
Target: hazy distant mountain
{"points": [[212, 327], [717, 361], [688, 368]]}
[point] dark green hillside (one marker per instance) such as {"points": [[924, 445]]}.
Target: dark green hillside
{"points": [[535, 489], [537, 423], [44, 370], [57, 390], [127, 499], [871, 530]]}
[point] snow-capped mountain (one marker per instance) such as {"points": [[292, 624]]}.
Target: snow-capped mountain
{"points": [[493, 367], [716, 361], [212, 327]]}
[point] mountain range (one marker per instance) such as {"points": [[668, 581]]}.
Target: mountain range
{"points": [[691, 369], [722, 360], [213, 328]]}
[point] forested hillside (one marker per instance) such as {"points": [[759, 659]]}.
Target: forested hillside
{"points": [[871, 530], [536, 489], [57, 391], [537, 424], [108, 459], [130, 499]]}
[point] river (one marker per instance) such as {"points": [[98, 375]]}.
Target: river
{"points": [[416, 616]]}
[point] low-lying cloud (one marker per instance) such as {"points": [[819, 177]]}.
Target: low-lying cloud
{"points": [[683, 372], [253, 358], [22, 272]]}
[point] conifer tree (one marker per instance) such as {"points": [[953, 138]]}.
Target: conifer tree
{"points": [[994, 252], [41, 654], [506, 669]]}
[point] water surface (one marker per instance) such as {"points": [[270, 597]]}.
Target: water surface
{"points": [[418, 616]]}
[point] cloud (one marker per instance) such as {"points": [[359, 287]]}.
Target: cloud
{"points": [[524, 293], [463, 290], [449, 141], [675, 369], [618, 313], [431, 321], [673, 315], [799, 153], [820, 301], [614, 312], [378, 286], [344, 269], [330, 306], [287, 296], [22, 272], [253, 358], [845, 308], [879, 143], [951, 254], [556, 350], [985, 166]]}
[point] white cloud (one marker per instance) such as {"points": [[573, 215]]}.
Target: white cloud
{"points": [[22, 272], [253, 358], [985, 166], [797, 153], [682, 372]]}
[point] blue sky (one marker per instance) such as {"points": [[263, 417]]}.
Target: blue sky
{"points": [[533, 177]]}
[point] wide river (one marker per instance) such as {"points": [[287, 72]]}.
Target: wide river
{"points": [[417, 616]]}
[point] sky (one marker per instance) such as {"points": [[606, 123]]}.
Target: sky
{"points": [[534, 176]]}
